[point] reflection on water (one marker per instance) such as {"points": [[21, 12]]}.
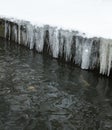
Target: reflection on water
{"points": [[39, 93]]}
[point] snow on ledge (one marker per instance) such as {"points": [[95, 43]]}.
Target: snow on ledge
{"points": [[73, 46], [80, 32]]}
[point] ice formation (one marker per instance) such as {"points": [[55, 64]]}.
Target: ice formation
{"points": [[89, 53], [105, 56], [86, 53], [39, 38]]}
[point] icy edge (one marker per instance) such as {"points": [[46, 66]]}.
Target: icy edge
{"points": [[72, 46]]}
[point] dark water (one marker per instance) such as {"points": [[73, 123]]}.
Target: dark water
{"points": [[39, 93]]}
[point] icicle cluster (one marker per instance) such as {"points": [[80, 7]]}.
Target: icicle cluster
{"points": [[89, 53], [105, 56]]}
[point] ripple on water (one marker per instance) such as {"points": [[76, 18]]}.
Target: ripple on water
{"points": [[38, 93]]}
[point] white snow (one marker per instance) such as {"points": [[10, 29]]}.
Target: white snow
{"points": [[93, 17]]}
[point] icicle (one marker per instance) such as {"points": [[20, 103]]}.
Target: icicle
{"points": [[86, 52], [12, 33], [104, 47], [15, 33], [39, 38], [5, 33], [110, 57], [9, 31], [65, 43], [94, 59], [68, 44], [61, 42], [23, 37], [19, 30], [30, 35], [54, 41], [78, 53]]}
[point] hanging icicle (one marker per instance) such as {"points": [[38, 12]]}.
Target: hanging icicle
{"points": [[89, 53]]}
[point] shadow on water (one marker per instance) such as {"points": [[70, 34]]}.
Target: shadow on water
{"points": [[40, 93]]}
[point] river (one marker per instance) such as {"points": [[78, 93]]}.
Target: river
{"points": [[41, 93]]}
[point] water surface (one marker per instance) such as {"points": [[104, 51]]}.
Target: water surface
{"points": [[40, 93]]}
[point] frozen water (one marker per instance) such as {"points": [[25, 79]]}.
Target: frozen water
{"points": [[54, 41], [39, 38], [86, 52], [105, 56], [89, 53], [19, 33], [30, 35]]}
